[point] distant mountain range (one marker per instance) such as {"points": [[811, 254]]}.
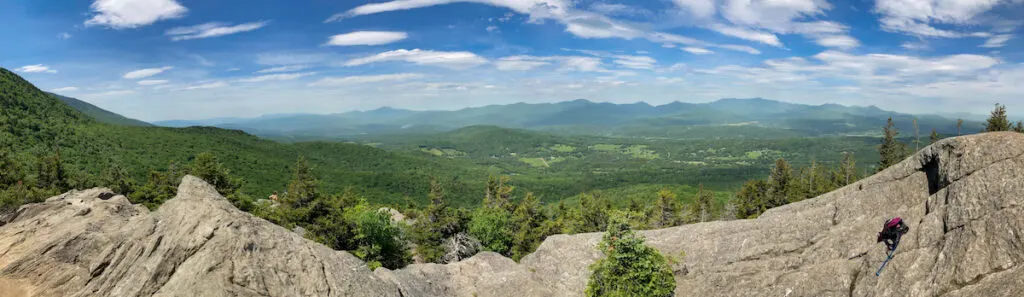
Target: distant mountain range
{"points": [[729, 118]]}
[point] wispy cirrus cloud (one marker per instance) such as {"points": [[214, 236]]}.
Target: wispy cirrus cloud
{"points": [[38, 68], [362, 79], [144, 73], [214, 29], [452, 60], [367, 38], [275, 77]]}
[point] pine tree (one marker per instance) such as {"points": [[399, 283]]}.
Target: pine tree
{"points": [[530, 221], [704, 204], [781, 182], [752, 199], [1020, 127], [998, 121], [499, 193], [959, 125], [847, 172], [437, 223], [304, 187], [593, 213], [118, 180], [206, 167], [630, 267], [934, 136], [891, 150], [667, 210]]}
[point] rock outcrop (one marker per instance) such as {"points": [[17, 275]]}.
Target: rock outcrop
{"points": [[961, 197]]}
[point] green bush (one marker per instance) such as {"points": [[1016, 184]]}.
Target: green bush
{"points": [[630, 267], [494, 228]]}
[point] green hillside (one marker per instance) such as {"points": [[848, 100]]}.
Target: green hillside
{"points": [[100, 114], [34, 125]]}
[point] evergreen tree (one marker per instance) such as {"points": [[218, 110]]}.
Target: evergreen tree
{"points": [[752, 200], [438, 222], [935, 136], [206, 167], [702, 211], [304, 187], [667, 210], [998, 121], [11, 171], [630, 267], [118, 180], [160, 186], [959, 125], [593, 213], [51, 173], [781, 184], [892, 151], [847, 172], [1020, 127], [530, 223], [378, 240], [499, 193]]}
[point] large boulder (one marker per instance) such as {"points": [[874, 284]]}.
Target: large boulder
{"points": [[196, 244], [961, 198]]}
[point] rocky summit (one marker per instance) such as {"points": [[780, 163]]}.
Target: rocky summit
{"points": [[961, 197]]}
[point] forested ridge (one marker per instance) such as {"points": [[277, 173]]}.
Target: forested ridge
{"points": [[473, 189]]}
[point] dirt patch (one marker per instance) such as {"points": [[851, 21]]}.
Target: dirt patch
{"points": [[13, 288]]}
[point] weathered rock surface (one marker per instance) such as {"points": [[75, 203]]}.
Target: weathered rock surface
{"points": [[961, 197], [196, 244]]}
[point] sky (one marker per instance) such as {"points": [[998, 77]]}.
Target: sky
{"points": [[191, 59]]}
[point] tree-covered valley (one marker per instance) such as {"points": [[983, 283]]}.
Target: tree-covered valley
{"points": [[494, 188]]}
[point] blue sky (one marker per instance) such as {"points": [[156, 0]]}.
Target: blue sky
{"points": [[191, 59]]}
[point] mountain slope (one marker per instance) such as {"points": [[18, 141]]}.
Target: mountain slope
{"points": [[960, 196], [100, 114], [34, 125]]}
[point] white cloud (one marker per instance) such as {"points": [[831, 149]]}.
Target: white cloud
{"points": [[121, 14], [451, 60], [109, 94], [617, 9], [702, 9], [275, 77], [64, 35], [214, 29], [697, 50], [290, 58], [362, 79], [65, 89], [493, 29], [914, 45], [520, 63], [916, 17], [543, 7], [838, 41], [289, 68], [367, 38], [670, 41], [746, 34], [204, 86], [143, 73], [201, 60], [997, 41], [38, 68], [565, 63], [152, 82], [592, 25], [635, 62]]}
